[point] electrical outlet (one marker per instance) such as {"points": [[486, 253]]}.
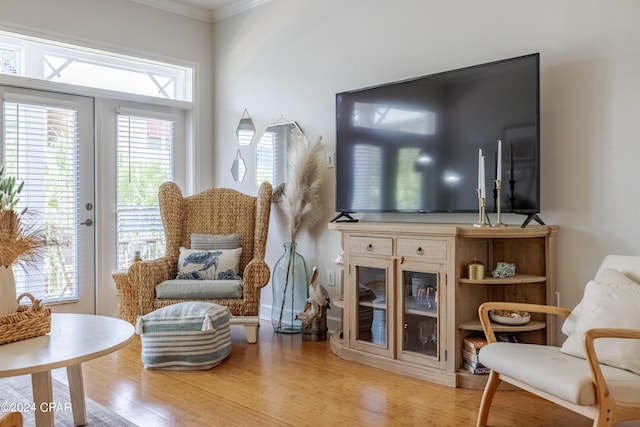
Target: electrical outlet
{"points": [[331, 277], [331, 160]]}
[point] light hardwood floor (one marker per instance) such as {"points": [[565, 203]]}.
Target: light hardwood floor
{"points": [[283, 381]]}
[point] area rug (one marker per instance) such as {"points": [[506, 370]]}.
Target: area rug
{"points": [[16, 391]]}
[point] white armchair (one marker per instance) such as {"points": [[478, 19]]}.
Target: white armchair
{"points": [[596, 377]]}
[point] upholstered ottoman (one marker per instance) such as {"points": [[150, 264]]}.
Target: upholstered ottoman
{"points": [[187, 335]]}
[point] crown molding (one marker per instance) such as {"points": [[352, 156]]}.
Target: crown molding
{"points": [[234, 8], [207, 15], [178, 8]]}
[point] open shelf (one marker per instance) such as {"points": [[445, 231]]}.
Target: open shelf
{"points": [[475, 325], [513, 280]]}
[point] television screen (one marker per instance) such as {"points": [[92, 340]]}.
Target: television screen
{"points": [[413, 145]]}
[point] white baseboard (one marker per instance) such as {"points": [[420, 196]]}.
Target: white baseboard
{"points": [[334, 317]]}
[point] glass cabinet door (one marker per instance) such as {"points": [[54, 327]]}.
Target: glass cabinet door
{"points": [[371, 317], [419, 317]]}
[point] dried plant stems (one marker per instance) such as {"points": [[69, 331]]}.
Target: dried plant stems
{"points": [[301, 201], [19, 243]]}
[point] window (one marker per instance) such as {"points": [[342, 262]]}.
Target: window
{"points": [[41, 149], [140, 139], [64, 63], [144, 162], [9, 60]]}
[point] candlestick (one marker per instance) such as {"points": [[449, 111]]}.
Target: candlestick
{"points": [[499, 222], [481, 209], [511, 178]]}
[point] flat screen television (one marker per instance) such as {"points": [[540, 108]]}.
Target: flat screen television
{"points": [[413, 145]]}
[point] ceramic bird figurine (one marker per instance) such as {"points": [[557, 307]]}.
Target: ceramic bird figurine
{"points": [[317, 293], [317, 302], [307, 315]]}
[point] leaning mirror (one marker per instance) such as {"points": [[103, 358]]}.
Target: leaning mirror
{"points": [[238, 168], [271, 152], [245, 130]]}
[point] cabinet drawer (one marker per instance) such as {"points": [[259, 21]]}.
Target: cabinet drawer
{"points": [[423, 248], [371, 245]]}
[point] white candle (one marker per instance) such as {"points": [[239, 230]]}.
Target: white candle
{"points": [[483, 192], [480, 170], [499, 167]]}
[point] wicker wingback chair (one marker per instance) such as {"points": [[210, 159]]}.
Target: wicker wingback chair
{"points": [[216, 211]]}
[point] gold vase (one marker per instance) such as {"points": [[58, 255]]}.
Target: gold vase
{"points": [[8, 302], [8, 234]]}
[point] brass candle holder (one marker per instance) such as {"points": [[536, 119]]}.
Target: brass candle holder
{"points": [[482, 203], [499, 222]]}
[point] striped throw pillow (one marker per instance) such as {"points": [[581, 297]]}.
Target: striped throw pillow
{"points": [[215, 241]]}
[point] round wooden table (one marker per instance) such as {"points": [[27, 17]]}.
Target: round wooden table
{"points": [[74, 338]]}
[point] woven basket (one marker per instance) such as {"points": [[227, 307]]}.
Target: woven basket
{"points": [[30, 321]]}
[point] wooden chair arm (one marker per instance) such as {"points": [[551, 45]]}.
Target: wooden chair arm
{"points": [[602, 390], [483, 312]]}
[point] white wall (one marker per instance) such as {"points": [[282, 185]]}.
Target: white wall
{"points": [[290, 57]]}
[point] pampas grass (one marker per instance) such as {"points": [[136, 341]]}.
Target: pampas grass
{"points": [[300, 200], [20, 243]]}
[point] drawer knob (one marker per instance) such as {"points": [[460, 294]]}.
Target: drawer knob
{"points": [[419, 251], [370, 247]]}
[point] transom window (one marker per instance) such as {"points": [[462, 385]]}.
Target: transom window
{"points": [[64, 63]]}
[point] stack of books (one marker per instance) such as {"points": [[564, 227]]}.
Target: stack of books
{"points": [[471, 355]]}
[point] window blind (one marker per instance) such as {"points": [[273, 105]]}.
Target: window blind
{"points": [[265, 155], [41, 148], [144, 162]]}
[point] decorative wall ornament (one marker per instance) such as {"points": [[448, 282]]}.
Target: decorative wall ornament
{"points": [[272, 151], [238, 168], [246, 129]]}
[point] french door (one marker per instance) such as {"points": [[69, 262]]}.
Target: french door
{"points": [[48, 142]]}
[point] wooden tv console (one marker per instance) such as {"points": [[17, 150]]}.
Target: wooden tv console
{"points": [[389, 323]]}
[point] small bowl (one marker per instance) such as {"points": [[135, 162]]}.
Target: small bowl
{"points": [[522, 317]]}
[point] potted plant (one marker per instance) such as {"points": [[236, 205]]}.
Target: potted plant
{"points": [[20, 242]]}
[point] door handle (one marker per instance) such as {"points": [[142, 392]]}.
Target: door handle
{"points": [[88, 222]]}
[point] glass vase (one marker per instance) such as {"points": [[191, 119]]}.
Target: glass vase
{"points": [[290, 290]]}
